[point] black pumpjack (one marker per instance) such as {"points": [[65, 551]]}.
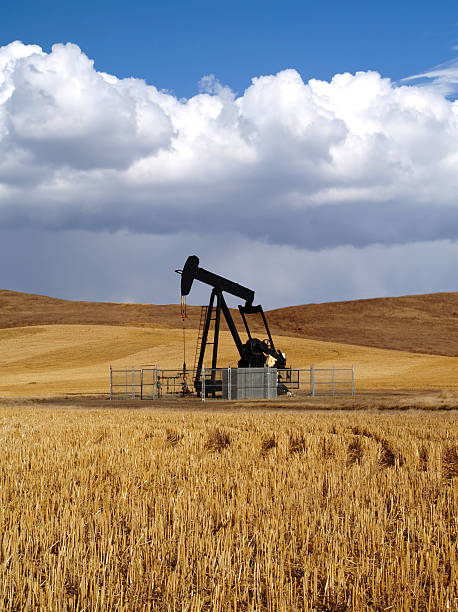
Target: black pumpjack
{"points": [[254, 353]]}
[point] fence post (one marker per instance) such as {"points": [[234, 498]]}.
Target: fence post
{"points": [[133, 382], [229, 383], [353, 380], [111, 382], [202, 392], [312, 379], [141, 383]]}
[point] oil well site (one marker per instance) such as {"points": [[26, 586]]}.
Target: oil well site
{"points": [[261, 371], [386, 347]]}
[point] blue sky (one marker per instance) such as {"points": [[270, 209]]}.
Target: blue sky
{"points": [[319, 164], [173, 44]]}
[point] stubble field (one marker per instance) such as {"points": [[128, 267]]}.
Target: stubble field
{"points": [[240, 510]]}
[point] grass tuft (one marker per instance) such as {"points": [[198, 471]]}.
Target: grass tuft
{"points": [[268, 443], [355, 451], [450, 462], [173, 437], [297, 443], [217, 440]]}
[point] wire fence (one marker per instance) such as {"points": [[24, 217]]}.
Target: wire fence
{"points": [[151, 382]]}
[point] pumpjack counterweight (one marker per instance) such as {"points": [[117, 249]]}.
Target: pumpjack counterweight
{"points": [[254, 353]]}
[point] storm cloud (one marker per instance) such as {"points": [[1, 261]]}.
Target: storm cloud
{"points": [[354, 167]]}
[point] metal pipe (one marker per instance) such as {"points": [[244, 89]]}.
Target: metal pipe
{"points": [[203, 384]]}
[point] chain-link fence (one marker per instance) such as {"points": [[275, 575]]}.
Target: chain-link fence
{"points": [[152, 382], [332, 381], [126, 383]]}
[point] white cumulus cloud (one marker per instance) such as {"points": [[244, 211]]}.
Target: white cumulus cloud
{"points": [[62, 113], [354, 163]]}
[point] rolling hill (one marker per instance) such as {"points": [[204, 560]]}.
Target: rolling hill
{"points": [[52, 347], [417, 323]]}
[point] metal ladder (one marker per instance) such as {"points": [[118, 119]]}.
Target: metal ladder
{"points": [[203, 316]]}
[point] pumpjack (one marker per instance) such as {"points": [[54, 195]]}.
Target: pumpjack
{"points": [[254, 353]]}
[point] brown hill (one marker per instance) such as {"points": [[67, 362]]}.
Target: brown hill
{"points": [[23, 309], [417, 323]]}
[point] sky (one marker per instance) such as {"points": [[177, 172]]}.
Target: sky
{"points": [[308, 150]]}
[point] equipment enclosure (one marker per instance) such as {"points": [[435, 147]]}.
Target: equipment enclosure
{"points": [[151, 382]]}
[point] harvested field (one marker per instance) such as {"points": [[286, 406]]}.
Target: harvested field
{"points": [[219, 510], [61, 359]]}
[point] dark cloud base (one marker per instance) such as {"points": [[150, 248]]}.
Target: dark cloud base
{"points": [[123, 267], [314, 228]]}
